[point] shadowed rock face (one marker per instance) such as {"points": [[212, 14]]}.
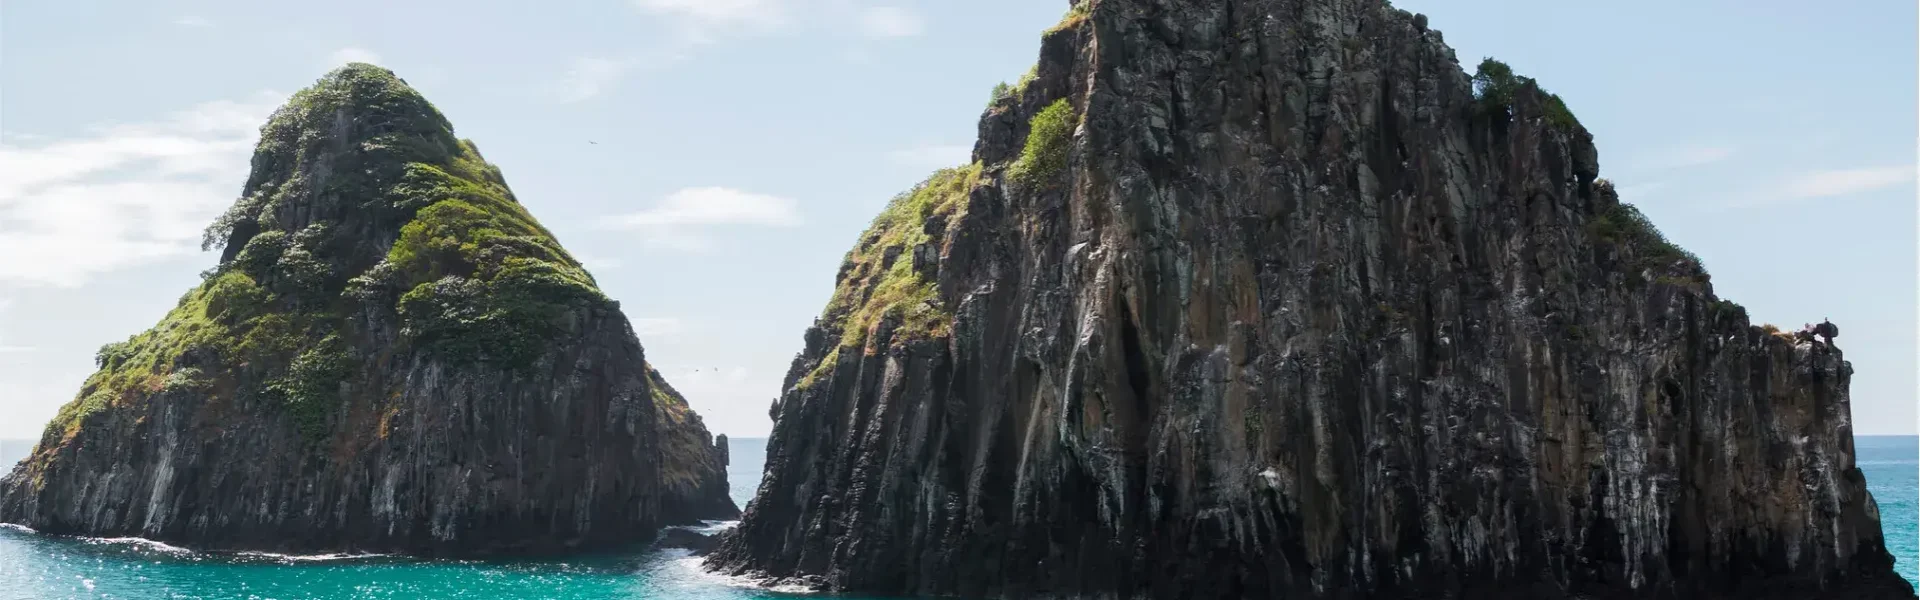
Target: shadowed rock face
{"points": [[1284, 310], [392, 355]]}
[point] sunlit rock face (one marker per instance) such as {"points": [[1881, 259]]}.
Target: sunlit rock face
{"points": [[1261, 299]]}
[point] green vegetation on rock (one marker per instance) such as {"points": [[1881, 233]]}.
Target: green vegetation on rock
{"points": [[391, 125], [67, 421], [1001, 91], [204, 320], [1076, 15], [483, 278], [311, 386], [1026, 79], [470, 275], [1495, 86], [1048, 138], [879, 278], [1625, 226]]}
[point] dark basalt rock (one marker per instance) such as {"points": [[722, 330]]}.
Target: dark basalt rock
{"points": [[675, 537], [391, 356], [1296, 316]]}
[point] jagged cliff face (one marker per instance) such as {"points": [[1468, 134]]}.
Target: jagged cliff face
{"points": [[392, 355], [1258, 298]]}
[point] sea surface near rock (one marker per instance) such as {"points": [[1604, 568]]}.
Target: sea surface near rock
{"points": [[392, 355], [36, 567], [1268, 298]]}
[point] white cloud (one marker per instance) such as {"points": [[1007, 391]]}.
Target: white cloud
{"points": [[700, 21], [192, 21], [121, 195], [589, 77], [1682, 157], [890, 22], [933, 156], [1842, 182], [644, 327], [676, 222], [715, 206], [352, 55]]}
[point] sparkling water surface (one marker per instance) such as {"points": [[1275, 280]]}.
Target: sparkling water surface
{"points": [[34, 567]]}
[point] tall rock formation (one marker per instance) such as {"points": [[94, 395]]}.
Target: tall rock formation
{"points": [[392, 355], [1268, 299]]}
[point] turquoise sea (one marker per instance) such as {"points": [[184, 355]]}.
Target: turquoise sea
{"points": [[1892, 466], [34, 567]]}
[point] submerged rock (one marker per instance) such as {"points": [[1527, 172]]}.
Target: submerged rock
{"points": [[393, 355], [1259, 298]]}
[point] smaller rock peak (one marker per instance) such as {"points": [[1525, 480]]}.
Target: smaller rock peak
{"points": [[366, 91], [359, 70], [333, 151], [363, 80]]}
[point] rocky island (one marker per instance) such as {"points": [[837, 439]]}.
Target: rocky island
{"points": [[1272, 299], [392, 355]]}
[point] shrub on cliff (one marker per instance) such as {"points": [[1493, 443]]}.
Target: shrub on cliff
{"points": [[1495, 85], [1048, 137], [1626, 226], [1076, 15]]}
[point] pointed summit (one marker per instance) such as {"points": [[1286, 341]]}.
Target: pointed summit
{"points": [[391, 355]]}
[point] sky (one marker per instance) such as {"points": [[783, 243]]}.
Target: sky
{"points": [[711, 161]]}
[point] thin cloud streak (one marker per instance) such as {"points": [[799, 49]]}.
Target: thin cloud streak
{"points": [[714, 206], [1682, 157], [684, 219], [1842, 182]]}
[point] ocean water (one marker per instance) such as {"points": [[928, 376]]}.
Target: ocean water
{"points": [[39, 567], [1892, 466], [34, 567]]}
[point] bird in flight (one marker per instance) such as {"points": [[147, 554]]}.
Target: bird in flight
{"points": [[593, 142]]}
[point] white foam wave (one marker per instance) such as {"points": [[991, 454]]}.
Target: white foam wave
{"points": [[707, 527], [696, 567], [19, 528], [309, 557], [141, 542]]}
